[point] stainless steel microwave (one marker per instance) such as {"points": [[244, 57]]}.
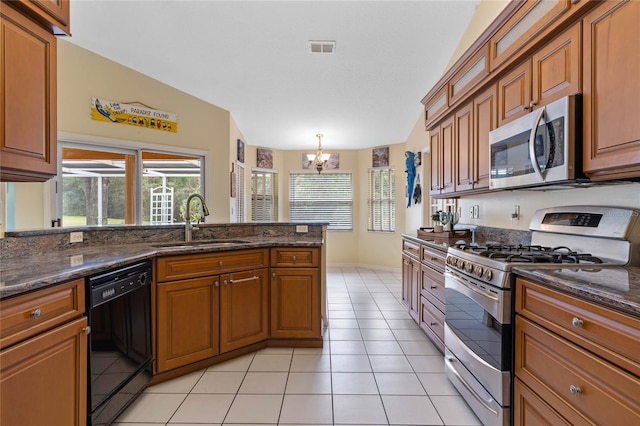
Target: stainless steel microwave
{"points": [[540, 148]]}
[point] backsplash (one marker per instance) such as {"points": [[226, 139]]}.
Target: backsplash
{"points": [[26, 243]]}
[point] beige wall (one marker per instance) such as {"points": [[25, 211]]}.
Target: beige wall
{"points": [[201, 126]]}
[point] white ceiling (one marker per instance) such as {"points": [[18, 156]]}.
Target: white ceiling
{"points": [[252, 58]]}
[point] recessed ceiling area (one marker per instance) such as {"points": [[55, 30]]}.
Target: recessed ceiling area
{"points": [[253, 58]]}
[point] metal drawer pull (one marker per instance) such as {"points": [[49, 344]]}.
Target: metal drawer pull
{"points": [[216, 284], [255, 277], [575, 390], [433, 324], [87, 330], [433, 287], [220, 263], [225, 282], [577, 322], [36, 313], [294, 258]]}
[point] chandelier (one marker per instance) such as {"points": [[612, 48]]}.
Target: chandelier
{"points": [[320, 159]]}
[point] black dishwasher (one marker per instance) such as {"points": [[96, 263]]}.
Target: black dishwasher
{"points": [[120, 357]]}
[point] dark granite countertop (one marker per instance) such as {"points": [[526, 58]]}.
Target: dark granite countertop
{"points": [[27, 273], [441, 245], [613, 287]]}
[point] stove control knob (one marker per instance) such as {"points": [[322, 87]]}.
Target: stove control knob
{"points": [[479, 271], [469, 267], [461, 264], [488, 275], [449, 259]]}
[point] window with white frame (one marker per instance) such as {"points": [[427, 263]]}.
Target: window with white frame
{"points": [[264, 196], [381, 200], [322, 197]]}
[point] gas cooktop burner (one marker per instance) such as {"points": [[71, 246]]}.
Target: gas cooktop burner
{"points": [[529, 253]]}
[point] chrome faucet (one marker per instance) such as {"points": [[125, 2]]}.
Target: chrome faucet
{"points": [[205, 212]]}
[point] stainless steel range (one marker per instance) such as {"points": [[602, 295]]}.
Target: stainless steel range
{"points": [[478, 281]]}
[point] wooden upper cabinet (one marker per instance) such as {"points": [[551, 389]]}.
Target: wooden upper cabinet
{"points": [[525, 24], [436, 106], [611, 87], [464, 177], [448, 156], [514, 93], [476, 69], [55, 14], [28, 144], [485, 119], [557, 69], [435, 155]]}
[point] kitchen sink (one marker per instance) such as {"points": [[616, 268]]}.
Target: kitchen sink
{"points": [[200, 243]]}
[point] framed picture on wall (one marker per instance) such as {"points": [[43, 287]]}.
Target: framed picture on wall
{"points": [[380, 157], [265, 158], [240, 151]]}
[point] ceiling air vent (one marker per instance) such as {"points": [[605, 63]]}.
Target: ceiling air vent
{"points": [[322, 46]]}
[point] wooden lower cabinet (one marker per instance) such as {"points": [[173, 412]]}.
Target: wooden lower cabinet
{"points": [[187, 321], [43, 357], [295, 303], [244, 308], [563, 373]]}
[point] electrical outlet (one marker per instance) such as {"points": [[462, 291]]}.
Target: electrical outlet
{"points": [[302, 228], [76, 260], [75, 237], [515, 213], [476, 211]]}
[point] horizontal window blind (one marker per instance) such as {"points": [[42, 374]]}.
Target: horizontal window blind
{"points": [[324, 197], [381, 200]]}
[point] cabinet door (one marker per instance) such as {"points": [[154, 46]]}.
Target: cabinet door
{"points": [[415, 287], [244, 316], [187, 322], [55, 14], [43, 380], [295, 303], [448, 156], [465, 148], [435, 150], [611, 88], [28, 100], [406, 280], [514, 93], [557, 68], [485, 119], [529, 409]]}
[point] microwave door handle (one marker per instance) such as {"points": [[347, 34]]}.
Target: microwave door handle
{"points": [[532, 144]]}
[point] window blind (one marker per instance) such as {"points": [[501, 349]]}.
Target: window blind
{"points": [[324, 197], [382, 200], [239, 213], [264, 201]]}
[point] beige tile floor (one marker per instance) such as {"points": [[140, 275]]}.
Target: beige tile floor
{"points": [[376, 368]]}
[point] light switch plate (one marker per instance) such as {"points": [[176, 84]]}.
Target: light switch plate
{"points": [[302, 228]]}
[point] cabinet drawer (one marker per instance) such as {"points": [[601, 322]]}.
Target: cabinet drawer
{"points": [[30, 314], [432, 322], [295, 257], [555, 368], [433, 287], [172, 268], [411, 249], [433, 258], [612, 335]]}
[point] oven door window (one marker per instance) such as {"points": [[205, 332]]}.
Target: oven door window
{"points": [[479, 330]]}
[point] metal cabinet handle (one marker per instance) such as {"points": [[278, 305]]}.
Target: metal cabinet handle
{"points": [[220, 263], [255, 277], [577, 322], [87, 330], [225, 282], [575, 390], [433, 287], [273, 274], [294, 258], [216, 284], [432, 324], [37, 313]]}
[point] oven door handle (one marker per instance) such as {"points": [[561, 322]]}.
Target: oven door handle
{"points": [[487, 300], [452, 369], [532, 145]]}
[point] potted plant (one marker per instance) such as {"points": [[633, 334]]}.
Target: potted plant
{"points": [[435, 217]]}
